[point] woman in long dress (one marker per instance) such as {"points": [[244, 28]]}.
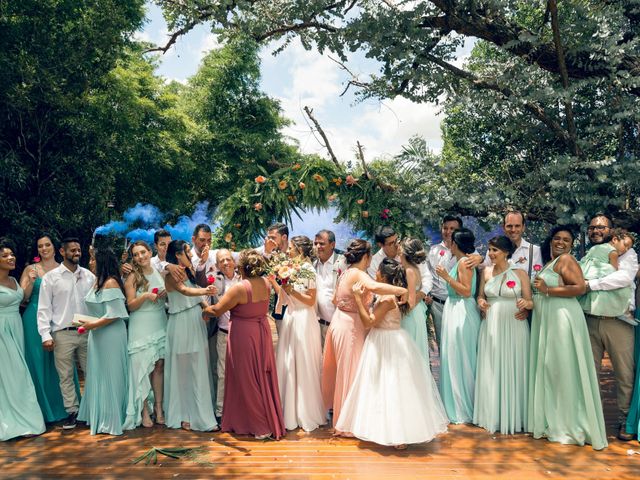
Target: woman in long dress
{"points": [[460, 327], [299, 352], [147, 338], [393, 399], [345, 337], [103, 406], [251, 398], [19, 410], [501, 391], [188, 400], [414, 320], [564, 395], [40, 362]]}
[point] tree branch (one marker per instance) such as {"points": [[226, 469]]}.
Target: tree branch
{"points": [[568, 107], [309, 113]]}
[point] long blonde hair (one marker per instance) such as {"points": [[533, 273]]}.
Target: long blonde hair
{"points": [[139, 279]]}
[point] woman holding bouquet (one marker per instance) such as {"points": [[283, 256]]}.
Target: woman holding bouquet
{"points": [[188, 401], [299, 354], [147, 337], [345, 337], [251, 399]]}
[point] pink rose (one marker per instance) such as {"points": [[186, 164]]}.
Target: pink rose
{"points": [[511, 284], [442, 252], [82, 330], [537, 267], [36, 259], [211, 279], [155, 290]]}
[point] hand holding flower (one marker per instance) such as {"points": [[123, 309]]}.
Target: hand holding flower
{"points": [[540, 285]]}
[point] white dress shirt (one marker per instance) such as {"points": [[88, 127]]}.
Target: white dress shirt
{"points": [[62, 295], [227, 283], [425, 274], [327, 274], [520, 258], [159, 264], [440, 254]]}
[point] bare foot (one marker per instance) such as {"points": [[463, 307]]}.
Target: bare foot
{"points": [[157, 410], [400, 447], [186, 426], [146, 420]]}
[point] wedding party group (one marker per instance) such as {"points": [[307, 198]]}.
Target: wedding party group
{"points": [[178, 334]]}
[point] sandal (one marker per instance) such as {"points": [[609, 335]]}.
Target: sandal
{"points": [[263, 437]]}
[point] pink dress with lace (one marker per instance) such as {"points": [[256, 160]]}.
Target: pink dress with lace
{"points": [[343, 347]]}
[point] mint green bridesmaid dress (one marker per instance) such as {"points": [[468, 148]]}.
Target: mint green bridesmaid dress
{"points": [[104, 404], [459, 349], [187, 370], [502, 375], [564, 395], [19, 410], [147, 339], [41, 363]]}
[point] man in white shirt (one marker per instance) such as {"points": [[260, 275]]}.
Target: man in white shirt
{"points": [[225, 279], [62, 295], [526, 255], [440, 254], [387, 240], [612, 334], [161, 240], [329, 266]]}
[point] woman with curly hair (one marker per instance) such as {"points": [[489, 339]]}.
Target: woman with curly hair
{"points": [[251, 397], [414, 320]]}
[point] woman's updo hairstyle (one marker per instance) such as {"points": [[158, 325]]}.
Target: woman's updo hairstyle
{"points": [[393, 273], [413, 251], [504, 244], [251, 264], [357, 249], [464, 239], [304, 246]]}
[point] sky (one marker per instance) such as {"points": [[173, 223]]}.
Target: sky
{"points": [[299, 78]]}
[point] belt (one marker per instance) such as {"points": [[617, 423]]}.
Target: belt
{"points": [[223, 330], [437, 300], [323, 322], [68, 328]]}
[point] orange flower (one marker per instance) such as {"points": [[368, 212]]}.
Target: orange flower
{"points": [[365, 214], [257, 206], [331, 198], [297, 166], [228, 237], [261, 179], [282, 184], [238, 225], [360, 201], [301, 185], [318, 178], [337, 181], [351, 180], [291, 198]]}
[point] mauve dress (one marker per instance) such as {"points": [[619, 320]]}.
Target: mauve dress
{"points": [[251, 397], [343, 347]]}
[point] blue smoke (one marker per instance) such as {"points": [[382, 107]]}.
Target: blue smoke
{"points": [[315, 220]]}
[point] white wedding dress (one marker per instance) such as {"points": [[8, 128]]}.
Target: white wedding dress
{"points": [[299, 363], [393, 399]]}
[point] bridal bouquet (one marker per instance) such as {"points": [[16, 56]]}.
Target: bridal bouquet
{"points": [[291, 271]]}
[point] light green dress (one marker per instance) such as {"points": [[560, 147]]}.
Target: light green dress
{"points": [[19, 410], [41, 363], [187, 370], [104, 404], [147, 339], [564, 395], [458, 354], [610, 303], [415, 324], [501, 391]]}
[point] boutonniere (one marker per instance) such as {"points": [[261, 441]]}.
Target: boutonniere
{"points": [[521, 260]]}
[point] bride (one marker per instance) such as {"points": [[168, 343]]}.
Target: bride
{"points": [[299, 353]]}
